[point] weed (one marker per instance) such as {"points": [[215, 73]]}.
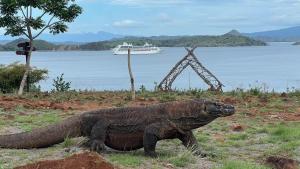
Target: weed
{"points": [[68, 142]]}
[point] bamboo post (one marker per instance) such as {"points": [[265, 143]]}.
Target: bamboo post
{"points": [[131, 76]]}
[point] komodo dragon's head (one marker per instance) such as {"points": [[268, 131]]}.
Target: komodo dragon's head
{"points": [[218, 109]]}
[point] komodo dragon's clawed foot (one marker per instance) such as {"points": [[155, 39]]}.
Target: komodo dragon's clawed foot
{"points": [[199, 153], [95, 145]]}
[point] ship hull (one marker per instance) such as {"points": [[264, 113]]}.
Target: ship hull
{"points": [[136, 52]]}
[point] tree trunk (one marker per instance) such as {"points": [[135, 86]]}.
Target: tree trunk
{"points": [[131, 77], [27, 71]]}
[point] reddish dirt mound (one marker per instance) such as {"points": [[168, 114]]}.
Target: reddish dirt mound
{"points": [[282, 163], [77, 161]]}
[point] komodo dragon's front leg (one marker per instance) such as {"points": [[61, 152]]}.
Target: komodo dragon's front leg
{"points": [[97, 136]]}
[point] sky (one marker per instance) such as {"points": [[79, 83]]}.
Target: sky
{"points": [[184, 17]]}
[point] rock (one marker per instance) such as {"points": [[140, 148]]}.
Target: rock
{"points": [[237, 128], [169, 166]]}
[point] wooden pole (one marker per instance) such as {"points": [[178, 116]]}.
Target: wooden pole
{"points": [[27, 80], [131, 76]]}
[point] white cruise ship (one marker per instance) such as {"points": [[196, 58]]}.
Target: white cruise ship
{"points": [[135, 50]]}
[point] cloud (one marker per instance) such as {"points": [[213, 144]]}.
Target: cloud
{"points": [[164, 18], [127, 23]]}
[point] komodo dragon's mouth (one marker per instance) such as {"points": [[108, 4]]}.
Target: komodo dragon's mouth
{"points": [[219, 109]]}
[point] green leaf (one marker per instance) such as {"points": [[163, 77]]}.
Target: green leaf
{"points": [[16, 22]]}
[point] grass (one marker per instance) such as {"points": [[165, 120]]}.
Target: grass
{"points": [[239, 136], [182, 159], [28, 122], [127, 159], [286, 136], [285, 132], [236, 164]]}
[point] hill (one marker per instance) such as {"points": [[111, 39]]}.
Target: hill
{"points": [[297, 43], [39, 44], [226, 40], [291, 34], [234, 33]]}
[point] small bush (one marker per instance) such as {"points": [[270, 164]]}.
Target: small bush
{"points": [[60, 84], [11, 77], [143, 89], [255, 91]]}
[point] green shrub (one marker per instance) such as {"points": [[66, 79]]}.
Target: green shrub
{"points": [[255, 91], [11, 76], [60, 84]]}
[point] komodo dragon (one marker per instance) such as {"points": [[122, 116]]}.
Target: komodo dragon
{"points": [[127, 128]]}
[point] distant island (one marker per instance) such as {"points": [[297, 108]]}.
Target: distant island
{"points": [[40, 45], [291, 34], [230, 39], [227, 40], [297, 43]]}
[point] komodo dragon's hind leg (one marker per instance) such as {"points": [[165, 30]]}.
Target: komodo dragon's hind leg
{"points": [[97, 137], [188, 140], [151, 136]]}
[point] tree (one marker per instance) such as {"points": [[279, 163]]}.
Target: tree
{"points": [[30, 18]]}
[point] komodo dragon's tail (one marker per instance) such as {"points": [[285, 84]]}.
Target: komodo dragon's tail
{"points": [[43, 137]]}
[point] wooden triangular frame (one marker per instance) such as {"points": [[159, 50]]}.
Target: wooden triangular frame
{"points": [[191, 60]]}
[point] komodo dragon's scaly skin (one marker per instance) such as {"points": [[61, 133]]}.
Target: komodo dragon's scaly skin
{"points": [[128, 128]]}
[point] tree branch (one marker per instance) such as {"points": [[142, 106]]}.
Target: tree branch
{"points": [[23, 13], [42, 15], [26, 35], [27, 11], [47, 26], [30, 12]]}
